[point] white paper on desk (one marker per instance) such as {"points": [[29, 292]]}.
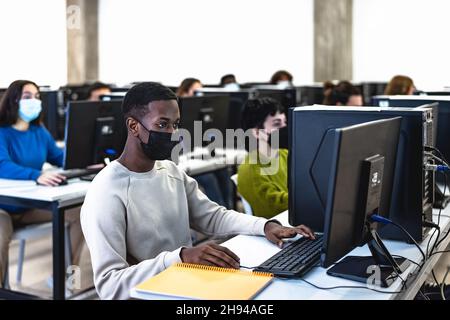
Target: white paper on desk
{"points": [[30, 190]]}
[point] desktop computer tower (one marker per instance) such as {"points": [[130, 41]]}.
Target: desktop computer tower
{"points": [[309, 165]]}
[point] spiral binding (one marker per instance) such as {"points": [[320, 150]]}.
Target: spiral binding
{"points": [[220, 269]]}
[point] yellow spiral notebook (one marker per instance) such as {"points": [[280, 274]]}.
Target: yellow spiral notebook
{"points": [[183, 280]]}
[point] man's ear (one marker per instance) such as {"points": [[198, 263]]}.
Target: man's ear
{"points": [[132, 126]]}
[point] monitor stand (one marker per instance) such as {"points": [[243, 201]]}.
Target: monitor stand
{"points": [[380, 269]]}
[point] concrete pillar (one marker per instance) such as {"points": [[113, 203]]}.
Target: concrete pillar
{"points": [[82, 41], [333, 50]]}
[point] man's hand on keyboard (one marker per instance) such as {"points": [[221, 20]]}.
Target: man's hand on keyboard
{"points": [[275, 232]]}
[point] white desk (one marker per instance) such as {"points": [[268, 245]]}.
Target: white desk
{"points": [[254, 250], [55, 199]]}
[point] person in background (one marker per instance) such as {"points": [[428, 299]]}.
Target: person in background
{"points": [[138, 211], [267, 194], [227, 79], [188, 87], [216, 185], [25, 145], [342, 94], [400, 85], [282, 77], [97, 90]]}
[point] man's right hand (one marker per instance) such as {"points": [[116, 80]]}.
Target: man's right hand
{"points": [[210, 254], [50, 179]]}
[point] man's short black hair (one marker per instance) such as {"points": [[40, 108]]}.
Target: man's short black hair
{"points": [[256, 111], [138, 97]]}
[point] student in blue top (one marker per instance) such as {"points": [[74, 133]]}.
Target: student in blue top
{"points": [[25, 145]]}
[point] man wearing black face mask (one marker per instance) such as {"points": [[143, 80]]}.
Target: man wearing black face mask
{"points": [[266, 192], [138, 211]]}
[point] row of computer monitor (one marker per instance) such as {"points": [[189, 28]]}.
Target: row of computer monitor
{"points": [[331, 150], [55, 101]]}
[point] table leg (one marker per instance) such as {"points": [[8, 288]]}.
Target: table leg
{"points": [[59, 274]]}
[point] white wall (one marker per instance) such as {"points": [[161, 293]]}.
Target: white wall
{"points": [[172, 39], [33, 41], [410, 37]]}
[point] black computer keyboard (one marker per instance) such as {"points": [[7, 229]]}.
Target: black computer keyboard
{"points": [[295, 259]]}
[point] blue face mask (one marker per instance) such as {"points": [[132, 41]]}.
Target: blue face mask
{"points": [[29, 109]]}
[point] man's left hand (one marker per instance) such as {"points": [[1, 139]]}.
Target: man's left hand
{"points": [[275, 232]]}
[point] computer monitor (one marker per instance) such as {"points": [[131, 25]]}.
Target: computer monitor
{"points": [[437, 93], [287, 97], [309, 165], [312, 94], [53, 112], [94, 131], [75, 92], [212, 111], [360, 181], [113, 96], [237, 100], [370, 89], [249, 85]]}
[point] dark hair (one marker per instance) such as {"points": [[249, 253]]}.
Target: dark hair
{"points": [[339, 93], [279, 75], [9, 104], [138, 97], [226, 79], [256, 111], [97, 85], [185, 85], [399, 85]]}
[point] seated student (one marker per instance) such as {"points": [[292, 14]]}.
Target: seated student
{"points": [[229, 82], [138, 211], [188, 87], [282, 78], [25, 145], [97, 90], [267, 194], [342, 94], [216, 185], [400, 85]]}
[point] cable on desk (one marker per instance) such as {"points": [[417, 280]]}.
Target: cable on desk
{"points": [[442, 215], [443, 251], [384, 220], [423, 295], [434, 278], [348, 287], [412, 261], [443, 238], [437, 241], [245, 267], [443, 284]]}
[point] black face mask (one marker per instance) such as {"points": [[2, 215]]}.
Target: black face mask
{"points": [[283, 138], [159, 145]]}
